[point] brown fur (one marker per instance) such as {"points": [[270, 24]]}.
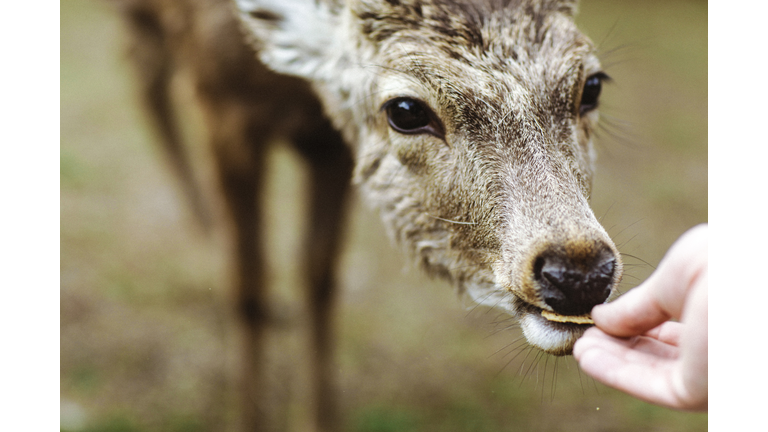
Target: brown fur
{"points": [[492, 195]]}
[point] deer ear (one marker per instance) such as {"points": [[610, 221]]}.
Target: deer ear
{"points": [[293, 37], [569, 7]]}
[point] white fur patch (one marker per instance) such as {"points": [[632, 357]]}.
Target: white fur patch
{"points": [[541, 333], [304, 43], [491, 295]]}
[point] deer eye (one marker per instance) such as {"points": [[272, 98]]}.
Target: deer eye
{"points": [[410, 116], [590, 95]]}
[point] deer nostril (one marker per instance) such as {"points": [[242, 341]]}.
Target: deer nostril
{"points": [[571, 286]]}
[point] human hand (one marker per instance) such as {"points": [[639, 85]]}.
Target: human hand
{"points": [[635, 347]]}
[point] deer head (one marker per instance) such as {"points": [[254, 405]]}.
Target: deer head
{"points": [[471, 123]]}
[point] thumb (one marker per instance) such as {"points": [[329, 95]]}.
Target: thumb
{"points": [[663, 295]]}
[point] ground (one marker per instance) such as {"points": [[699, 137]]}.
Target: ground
{"points": [[146, 338]]}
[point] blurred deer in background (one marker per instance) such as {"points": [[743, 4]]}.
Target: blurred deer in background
{"points": [[467, 124]]}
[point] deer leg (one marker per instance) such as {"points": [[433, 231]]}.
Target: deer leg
{"points": [[239, 146], [330, 173], [153, 61]]}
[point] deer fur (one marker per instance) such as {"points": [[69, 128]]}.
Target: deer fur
{"points": [[490, 191]]}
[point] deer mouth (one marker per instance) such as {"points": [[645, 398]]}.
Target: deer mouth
{"points": [[552, 332], [549, 331]]}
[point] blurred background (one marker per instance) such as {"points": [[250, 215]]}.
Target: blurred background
{"points": [[147, 340]]}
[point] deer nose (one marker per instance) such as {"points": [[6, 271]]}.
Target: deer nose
{"points": [[574, 285]]}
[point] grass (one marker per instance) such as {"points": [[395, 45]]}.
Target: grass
{"points": [[146, 335]]}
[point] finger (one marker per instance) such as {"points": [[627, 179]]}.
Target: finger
{"points": [[634, 313], [636, 348], [641, 375], [668, 332], [661, 296]]}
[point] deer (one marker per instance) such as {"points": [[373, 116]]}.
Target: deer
{"points": [[467, 125]]}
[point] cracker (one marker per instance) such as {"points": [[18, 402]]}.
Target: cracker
{"points": [[575, 319]]}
